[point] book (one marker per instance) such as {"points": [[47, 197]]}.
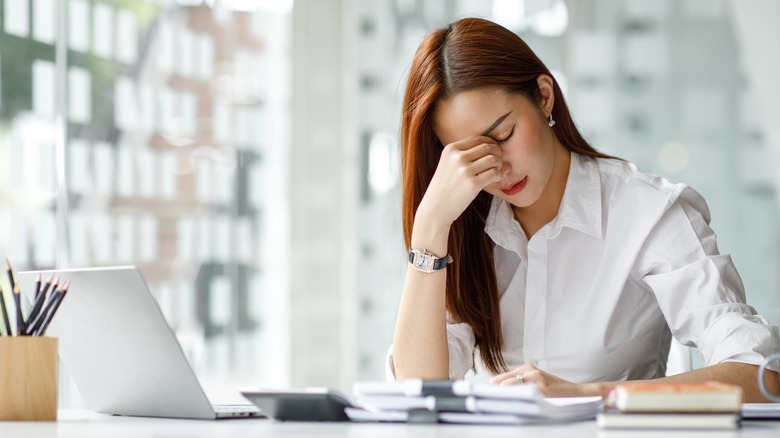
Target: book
{"points": [[614, 419], [678, 397]]}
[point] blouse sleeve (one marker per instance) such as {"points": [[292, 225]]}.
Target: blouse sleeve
{"points": [[460, 344], [699, 290]]}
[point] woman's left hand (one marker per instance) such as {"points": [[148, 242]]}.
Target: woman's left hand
{"points": [[548, 385]]}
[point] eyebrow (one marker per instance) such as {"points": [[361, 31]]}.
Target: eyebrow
{"points": [[496, 123]]}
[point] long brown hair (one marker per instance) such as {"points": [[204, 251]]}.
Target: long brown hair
{"points": [[470, 53]]}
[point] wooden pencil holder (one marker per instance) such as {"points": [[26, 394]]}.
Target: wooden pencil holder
{"points": [[28, 378]]}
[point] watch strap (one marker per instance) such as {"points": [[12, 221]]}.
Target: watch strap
{"points": [[438, 263]]}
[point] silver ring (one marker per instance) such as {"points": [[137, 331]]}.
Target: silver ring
{"points": [[520, 378]]}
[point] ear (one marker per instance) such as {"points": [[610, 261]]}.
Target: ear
{"points": [[546, 93]]}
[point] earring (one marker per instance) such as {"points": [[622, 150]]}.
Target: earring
{"points": [[550, 121]]}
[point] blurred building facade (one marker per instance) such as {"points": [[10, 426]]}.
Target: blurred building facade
{"points": [[244, 154]]}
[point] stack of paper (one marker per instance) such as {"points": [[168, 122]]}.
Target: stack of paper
{"points": [[465, 402], [761, 411]]}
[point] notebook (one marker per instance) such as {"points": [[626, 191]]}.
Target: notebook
{"points": [[121, 353], [614, 419]]}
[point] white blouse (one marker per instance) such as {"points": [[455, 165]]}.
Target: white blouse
{"points": [[597, 293]]}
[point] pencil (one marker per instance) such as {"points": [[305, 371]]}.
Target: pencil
{"points": [[20, 326], [51, 281], [12, 283], [39, 300], [9, 271], [5, 313], [37, 285], [36, 325], [46, 323]]}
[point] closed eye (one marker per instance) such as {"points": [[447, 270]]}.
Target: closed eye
{"points": [[503, 140]]}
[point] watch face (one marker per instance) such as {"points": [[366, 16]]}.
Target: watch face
{"points": [[424, 262]]}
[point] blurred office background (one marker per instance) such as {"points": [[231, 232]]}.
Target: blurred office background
{"points": [[244, 153]]}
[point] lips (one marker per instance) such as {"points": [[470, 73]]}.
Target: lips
{"points": [[515, 188]]}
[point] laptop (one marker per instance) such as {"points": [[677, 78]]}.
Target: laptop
{"points": [[120, 351]]}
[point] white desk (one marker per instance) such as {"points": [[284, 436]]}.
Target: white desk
{"points": [[83, 424]]}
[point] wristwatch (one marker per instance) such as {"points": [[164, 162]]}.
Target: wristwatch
{"points": [[425, 261]]}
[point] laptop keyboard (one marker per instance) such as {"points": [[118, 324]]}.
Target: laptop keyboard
{"points": [[236, 409]]}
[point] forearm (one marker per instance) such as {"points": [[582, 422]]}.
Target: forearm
{"points": [[740, 374], [420, 338]]}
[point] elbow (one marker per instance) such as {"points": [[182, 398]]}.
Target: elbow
{"points": [[772, 385], [418, 369]]}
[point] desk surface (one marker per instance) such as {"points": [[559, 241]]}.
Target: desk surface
{"points": [[85, 424]]}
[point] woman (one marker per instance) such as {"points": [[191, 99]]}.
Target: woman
{"points": [[555, 263]]}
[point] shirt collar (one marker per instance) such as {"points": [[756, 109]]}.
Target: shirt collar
{"points": [[502, 227], [581, 204], [580, 207]]}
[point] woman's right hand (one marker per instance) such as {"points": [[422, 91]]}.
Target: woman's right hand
{"points": [[465, 168]]}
